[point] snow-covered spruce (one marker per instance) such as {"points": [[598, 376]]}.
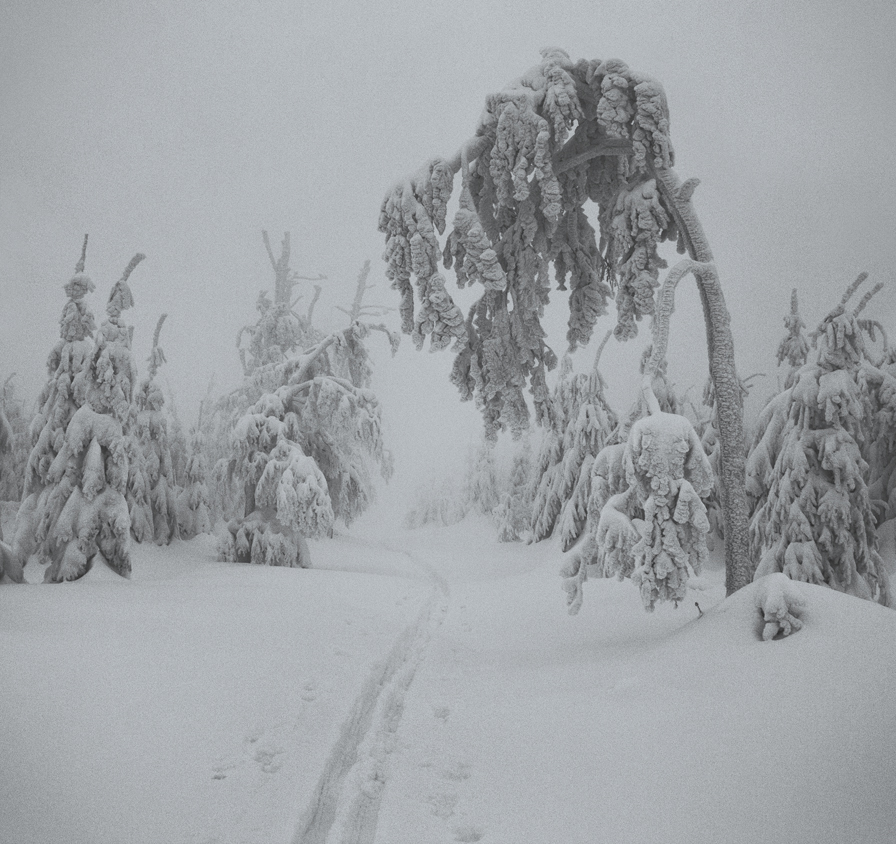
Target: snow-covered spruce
{"points": [[193, 511], [794, 348], [74, 512], [512, 516], [562, 134], [812, 517], [481, 492], [150, 428], [15, 442], [667, 473], [581, 422], [437, 502], [304, 454]]}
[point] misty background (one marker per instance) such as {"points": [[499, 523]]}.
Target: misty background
{"points": [[182, 130]]}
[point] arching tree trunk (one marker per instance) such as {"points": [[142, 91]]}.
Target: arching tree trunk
{"points": [[729, 407]]}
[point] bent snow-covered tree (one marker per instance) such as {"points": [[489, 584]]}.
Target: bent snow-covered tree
{"points": [[562, 135], [304, 454], [305, 437]]}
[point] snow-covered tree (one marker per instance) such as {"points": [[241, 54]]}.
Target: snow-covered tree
{"points": [[438, 502], [15, 442], [813, 518], [581, 422], [481, 492], [178, 443], [564, 133], [74, 512], [280, 331], [193, 512], [652, 525], [305, 454], [151, 430], [512, 516], [794, 348]]}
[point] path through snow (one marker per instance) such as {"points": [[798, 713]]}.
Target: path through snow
{"points": [[346, 800]]}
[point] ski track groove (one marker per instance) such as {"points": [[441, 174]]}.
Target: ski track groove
{"points": [[346, 801]]}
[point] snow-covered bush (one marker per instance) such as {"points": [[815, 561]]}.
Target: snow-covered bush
{"points": [[813, 518], [653, 526]]}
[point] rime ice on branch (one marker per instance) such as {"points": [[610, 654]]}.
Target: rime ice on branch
{"points": [[563, 134]]}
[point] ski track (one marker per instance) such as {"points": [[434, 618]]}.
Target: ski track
{"points": [[346, 800]]}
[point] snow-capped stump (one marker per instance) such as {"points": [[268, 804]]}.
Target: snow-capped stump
{"points": [[780, 606]]}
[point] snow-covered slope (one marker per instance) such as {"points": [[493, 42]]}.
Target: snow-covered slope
{"points": [[427, 687]]}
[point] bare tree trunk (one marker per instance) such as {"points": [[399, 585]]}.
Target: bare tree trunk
{"points": [[729, 397]]}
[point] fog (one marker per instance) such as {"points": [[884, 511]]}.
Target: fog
{"points": [[181, 130]]}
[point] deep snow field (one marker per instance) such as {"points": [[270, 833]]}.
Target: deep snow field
{"points": [[428, 686]]}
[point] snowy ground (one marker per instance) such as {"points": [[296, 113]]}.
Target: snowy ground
{"points": [[428, 687]]}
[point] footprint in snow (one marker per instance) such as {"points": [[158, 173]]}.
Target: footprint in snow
{"points": [[309, 692], [468, 834], [441, 712], [268, 760]]}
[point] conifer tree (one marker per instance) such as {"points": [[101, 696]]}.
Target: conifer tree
{"points": [[74, 512], [481, 493], [193, 511], [151, 430], [307, 439], [304, 455], [15, 443], [564, 133], [813, 518], [581, 422], [513, 514], [794, 348], [652, 525]]}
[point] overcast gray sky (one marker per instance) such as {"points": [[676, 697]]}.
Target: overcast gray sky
{"points": [[181, 129]]}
